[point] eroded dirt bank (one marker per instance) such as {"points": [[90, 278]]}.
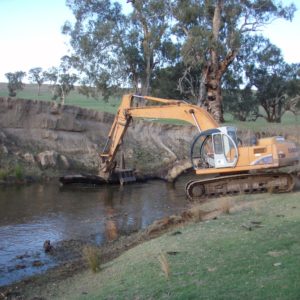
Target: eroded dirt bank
{"points": [[50, 139], [47, 139]]}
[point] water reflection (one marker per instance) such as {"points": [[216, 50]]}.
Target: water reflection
{"points": [[30, 215], [111, 231]]}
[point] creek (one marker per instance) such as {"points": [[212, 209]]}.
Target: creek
{"points": [[31, 214]]}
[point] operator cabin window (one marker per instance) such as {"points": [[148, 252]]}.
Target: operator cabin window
{"points": [[218, 145], [232, 134]]}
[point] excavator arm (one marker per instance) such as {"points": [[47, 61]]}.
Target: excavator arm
{"points": [[168, 109]]}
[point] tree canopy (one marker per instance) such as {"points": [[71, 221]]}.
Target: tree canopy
{"points": [[62, 81], [213, 33], [203, 51], [37, 76], [15, 82], [113, 49], [276, 82]]}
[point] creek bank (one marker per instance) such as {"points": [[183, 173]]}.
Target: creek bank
{"points": [[188, 240], [45, 139], [50, 140], [69, 252], [13, 180]]}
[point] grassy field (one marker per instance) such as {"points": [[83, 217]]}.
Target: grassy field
{"points": [[289, 120], [74, 98], [250, 252]]}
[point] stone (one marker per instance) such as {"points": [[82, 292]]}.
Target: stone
{"points": [[29, 158], [37, 263], [47, 158], [64, 161], [4, 149], [47, 246], [2, 135]]}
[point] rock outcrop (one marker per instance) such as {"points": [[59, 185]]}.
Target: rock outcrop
{"points": [[67, 139]]}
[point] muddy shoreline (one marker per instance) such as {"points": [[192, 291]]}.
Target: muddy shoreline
{"points": [[70, 251]]}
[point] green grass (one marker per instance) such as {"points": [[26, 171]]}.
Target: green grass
{"points": [[30, 91], [74, 98], [216, 259], [3, 174], [288, 120], [18, 172]]}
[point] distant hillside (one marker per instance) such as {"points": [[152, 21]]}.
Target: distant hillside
{"points": [[30, 91], [74, 98]]}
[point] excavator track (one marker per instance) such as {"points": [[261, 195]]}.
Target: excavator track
{"points": [[202, 190]]}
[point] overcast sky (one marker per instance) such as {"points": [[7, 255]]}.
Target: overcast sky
{"points": [[30, 34]]}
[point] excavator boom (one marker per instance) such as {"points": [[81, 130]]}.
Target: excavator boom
{"points": [[168, 109]]}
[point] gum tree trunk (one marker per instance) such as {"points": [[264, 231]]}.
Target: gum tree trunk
{"points": [[216, 68]]}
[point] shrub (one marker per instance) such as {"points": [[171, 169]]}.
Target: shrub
{"points": [[164, 264], [3, 174], [225, 205], [92, 256], [19, 172]]}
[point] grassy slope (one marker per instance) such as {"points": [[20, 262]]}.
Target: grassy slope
{"points": [[74, 98], [217, 259], [288, 120]]}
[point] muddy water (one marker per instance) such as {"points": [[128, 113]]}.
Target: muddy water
{"points": [[29, 215]]}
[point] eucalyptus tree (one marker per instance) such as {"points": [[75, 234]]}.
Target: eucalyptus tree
{"points": [[213, 32], [151, 19], [239, 98], [61, 80], [276, 83], [36, 75], [111, 48], [51, 77], [15, 82], [165, 82], [65, 84]]}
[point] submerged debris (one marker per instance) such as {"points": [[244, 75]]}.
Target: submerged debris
{"points": [[48, 248]]}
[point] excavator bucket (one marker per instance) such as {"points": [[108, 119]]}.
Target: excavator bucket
{"points": [[119, 176], [82, 179], [125, 176]]}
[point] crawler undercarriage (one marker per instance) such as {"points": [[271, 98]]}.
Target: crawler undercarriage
{"points": [[201, 190]]}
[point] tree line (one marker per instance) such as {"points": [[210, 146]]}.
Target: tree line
{"points": [[60, 79], [208, 52]]}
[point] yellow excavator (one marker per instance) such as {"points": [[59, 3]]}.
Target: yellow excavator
{"points": [[215, 151], [224, 165]]}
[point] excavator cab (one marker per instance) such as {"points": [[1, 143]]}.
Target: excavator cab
{"points": [[215, 148]]}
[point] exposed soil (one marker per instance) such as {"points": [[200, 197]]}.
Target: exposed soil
{"points": [[47, 139]]}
